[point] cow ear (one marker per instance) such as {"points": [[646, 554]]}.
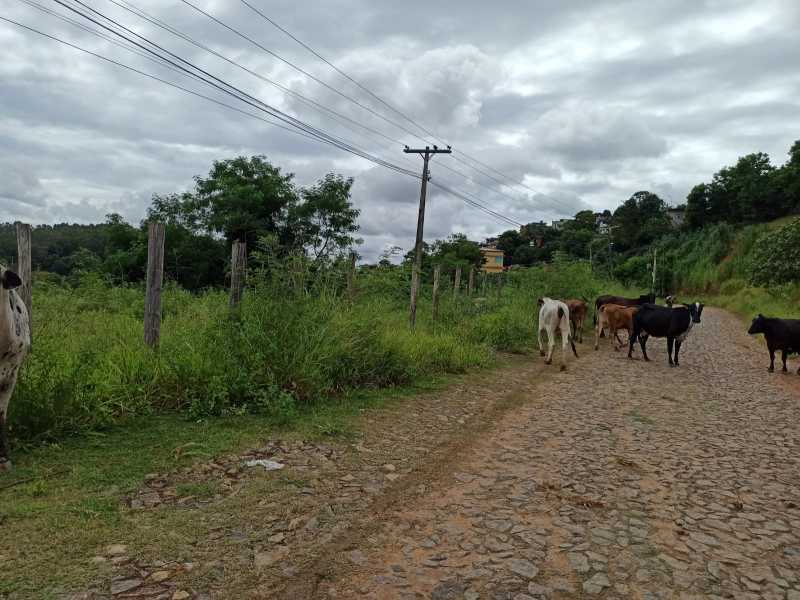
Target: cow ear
{"points": [[10, 280]]}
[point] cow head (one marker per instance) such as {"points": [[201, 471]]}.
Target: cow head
{"points": [[695, 310], [9, 279], [670, 300], [540, 302], [647, 299], [757, 326]]}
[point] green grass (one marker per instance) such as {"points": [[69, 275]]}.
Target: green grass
{"points": [[68, 506], [287, 350]]}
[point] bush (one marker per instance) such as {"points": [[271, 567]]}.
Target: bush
{"points": [[775, 258], [298, 339]]}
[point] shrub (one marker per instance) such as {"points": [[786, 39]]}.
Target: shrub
{"points": [[775, 257]]}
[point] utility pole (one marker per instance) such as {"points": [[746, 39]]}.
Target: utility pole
{"points": [[426, 154]]}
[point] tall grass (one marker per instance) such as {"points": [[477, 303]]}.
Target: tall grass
{"points": [[298, 339]]}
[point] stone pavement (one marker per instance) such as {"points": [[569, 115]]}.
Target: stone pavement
{"points": [[616, 479]]}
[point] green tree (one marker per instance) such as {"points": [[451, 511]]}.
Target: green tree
{"points": [[456, 251], [325, 221], [697, 206], [640, 220], [243, 199], [508, 242]]}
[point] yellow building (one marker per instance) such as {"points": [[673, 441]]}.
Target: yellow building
{"points": [[492, 260]]}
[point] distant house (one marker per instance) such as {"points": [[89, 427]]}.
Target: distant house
{"points": [[559, 224], [493, 259], [677, 216], [602, 223]]}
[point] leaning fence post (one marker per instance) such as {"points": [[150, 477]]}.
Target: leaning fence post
{"points": [[351, 276], [457, 282], [437, 270], [24, 266], [238, 272], [155, 279], [471, 282]]}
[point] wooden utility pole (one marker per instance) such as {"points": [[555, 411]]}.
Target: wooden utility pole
{"points": [[437, 272], [24, 266], [238, 272], [457, 282], [471, 281], [426, 154], [155, 279]]}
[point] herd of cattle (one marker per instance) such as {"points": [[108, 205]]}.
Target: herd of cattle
{"points": [[640, 317]]}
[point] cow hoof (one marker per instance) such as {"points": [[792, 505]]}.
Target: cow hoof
{"points": [[563, 368], [646, 359], [770, 370], [548, 362]]}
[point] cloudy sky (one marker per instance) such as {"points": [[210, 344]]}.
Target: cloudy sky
{"points": [[582, 103]]}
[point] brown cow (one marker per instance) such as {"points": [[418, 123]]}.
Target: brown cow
{"points": [[615, 317], [577, 316]]}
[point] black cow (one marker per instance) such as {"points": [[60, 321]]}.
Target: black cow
{"points": [[661, 321], [621, 301], [781, 334]]}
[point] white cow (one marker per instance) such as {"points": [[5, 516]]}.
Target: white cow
{"points": [[15, 341], [554, 317]]}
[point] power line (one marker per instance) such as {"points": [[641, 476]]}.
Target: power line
{"points": [[299, 69], [474, 202], [296, 130], [337, 69], [394, 109], [225, 87]]}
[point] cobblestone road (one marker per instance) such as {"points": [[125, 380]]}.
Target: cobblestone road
{"points": [[617, 479]]}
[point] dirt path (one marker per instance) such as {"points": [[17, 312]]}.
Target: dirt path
{"points": [[617, 479]]}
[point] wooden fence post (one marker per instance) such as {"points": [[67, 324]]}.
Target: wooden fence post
{"points": [[351, 276], [24, 266], [457, 282], [471, 282], [437, 270], [155, 279], [238, 272]]}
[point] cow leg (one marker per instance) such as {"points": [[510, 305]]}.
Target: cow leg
{"points": [[677, 350], [783, 358], [643, 344], [631, 341], [597, 335], [771, 360], [541, 349], [5, 459], [551, 345], [670, 344]]}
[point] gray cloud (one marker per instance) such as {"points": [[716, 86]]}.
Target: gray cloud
{"points": [[583, 103]]}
